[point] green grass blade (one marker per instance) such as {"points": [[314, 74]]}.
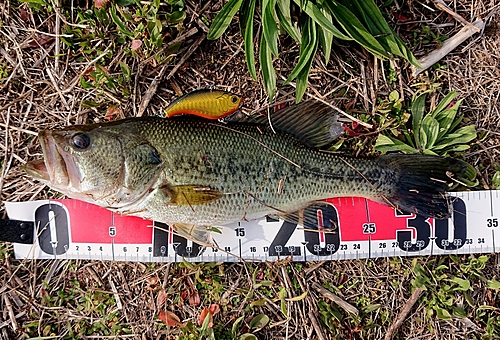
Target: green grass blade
{"points": [[267, 69], [355, 29], [269, 27], [247, 32], [302, 77], [223, 19], [326, 38], [285, 19], [308, 47], [315, 13]]}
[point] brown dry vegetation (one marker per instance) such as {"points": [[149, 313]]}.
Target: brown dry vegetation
{"points": [[39, 90]]}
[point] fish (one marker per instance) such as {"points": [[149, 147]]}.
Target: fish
{"points": [[209, 104], [195, 174]]}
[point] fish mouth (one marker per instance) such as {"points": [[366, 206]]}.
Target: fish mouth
{"points": [[57, 167]]}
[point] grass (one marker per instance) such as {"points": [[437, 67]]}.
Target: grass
{"points": [[100, 73]]}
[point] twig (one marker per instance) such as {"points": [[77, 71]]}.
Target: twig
{"points": [[151, 91], [403, 314], [442, 6], [58, 89], [316, 326], [12, 316], [448, 46], [115, 294], [181, 62], [344, 304]]}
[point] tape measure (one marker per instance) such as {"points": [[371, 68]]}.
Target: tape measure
{"points": [[343, 228]]}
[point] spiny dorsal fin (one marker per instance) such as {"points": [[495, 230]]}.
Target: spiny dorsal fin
{"points": [[312, 122]]}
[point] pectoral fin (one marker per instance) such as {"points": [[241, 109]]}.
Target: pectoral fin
{"points": [[194, 232], [191, 194]]}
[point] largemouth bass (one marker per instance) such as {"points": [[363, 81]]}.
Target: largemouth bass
{"points": [[209, 104], [194, 173]]}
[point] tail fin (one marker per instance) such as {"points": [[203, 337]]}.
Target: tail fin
{"points": [[421, 183]]}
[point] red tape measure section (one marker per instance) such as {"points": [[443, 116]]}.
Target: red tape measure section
{"points": [[92, 224]]}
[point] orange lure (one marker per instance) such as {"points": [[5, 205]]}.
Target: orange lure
{"points": [[210, 104]]}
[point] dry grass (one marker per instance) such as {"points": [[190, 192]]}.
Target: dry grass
{"points": [[39, 90]]}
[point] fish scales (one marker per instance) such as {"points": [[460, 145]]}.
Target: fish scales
{"points": [[248, 165]]}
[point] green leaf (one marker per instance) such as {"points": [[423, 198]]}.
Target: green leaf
{"points": [[124, 3], [429, 129], [121, 26], [443, 104], [493, 284], [459, 312], [417, 114], [223, 19], [308, 47], [356, 30], [258, 322], [125, 70], [285, 19], [247, 19], [443, 313], [266, 65], [326, 38], [315, 14], [248, 336], [462, 284], [387, 144], [236, 323], [269, 27]]}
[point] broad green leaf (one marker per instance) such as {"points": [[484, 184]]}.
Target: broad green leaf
{"points": [[303, 76], [308, 47], [429, 127], [266, 65], [315, 13], [285, 19], [493, 284], [125, 70], [247, 18], [446, 119], [443, 104], [386, 144], [269, 27], [462, 284], [248, 336], [369, 13], [463, 135], [405, 51], [356, 30], [326, 38], [258, 322], [223, 19], [124, 3], [443, 313], [417, 114]]}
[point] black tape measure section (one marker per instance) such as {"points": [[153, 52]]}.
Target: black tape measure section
{"points": [[57, 244], [17, 231]]}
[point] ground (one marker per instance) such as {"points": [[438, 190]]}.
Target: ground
{"points": [[44, 83]]}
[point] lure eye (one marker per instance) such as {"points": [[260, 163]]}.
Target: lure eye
{"points": [[80, 141], [234, 99]]}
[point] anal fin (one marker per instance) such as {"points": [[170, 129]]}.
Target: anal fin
{"points": [[194, 232]]}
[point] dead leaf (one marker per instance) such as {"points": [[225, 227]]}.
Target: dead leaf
{"points": [[194, 299], [111, 114], [209, 312], [99, 3], [136, 43], [169, 318], [24, 15], [41, 40], [161, 298]]}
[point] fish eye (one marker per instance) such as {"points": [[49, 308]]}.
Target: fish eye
{"points": [[80, 141], [234, 99]]}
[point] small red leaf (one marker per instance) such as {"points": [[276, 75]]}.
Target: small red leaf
{"points": [[214, 309], [401, 18], [205, 313], [136, 43], [161, 298], [169, 318], [41, 40], [99, 3], [194, 299], [24, 15]]}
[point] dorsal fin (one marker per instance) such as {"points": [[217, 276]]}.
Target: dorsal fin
{"points": [[312, 122]]}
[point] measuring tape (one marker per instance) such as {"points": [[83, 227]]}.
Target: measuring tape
{"points": [[344, 228]]}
